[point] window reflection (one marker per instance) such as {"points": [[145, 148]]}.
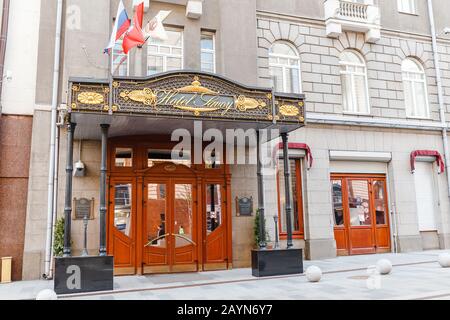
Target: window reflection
{"points": [[213, 207], [156, 215], [183, 215], [294, 196], [338, 208], [359, 203], [122, 208], [380, 202], [124, 157], [156, 157]]}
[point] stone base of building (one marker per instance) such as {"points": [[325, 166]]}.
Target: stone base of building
{"points": [[444, 241], [410, 243], [320, 249], [430, 240], [32, 265]]}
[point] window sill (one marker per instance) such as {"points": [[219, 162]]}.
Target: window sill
{"points": [[419, 118], [349, 113], [408, 13]]}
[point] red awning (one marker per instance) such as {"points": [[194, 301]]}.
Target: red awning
{"points": [[427, 153], [300, 146]]}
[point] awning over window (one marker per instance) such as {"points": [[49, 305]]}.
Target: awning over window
{"points": [[300, 146], [427, 153]]}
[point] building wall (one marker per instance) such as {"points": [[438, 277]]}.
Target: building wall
{"points": [[244, 32], [15, 138]]}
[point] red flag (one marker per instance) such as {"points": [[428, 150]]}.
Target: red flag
{"points": [[134, 37]]}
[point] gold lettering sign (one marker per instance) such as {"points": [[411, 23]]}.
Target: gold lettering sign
{"points": [[193, 98]]}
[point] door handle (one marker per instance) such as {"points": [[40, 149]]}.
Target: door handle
{"points": [[156, 239], [184, 238]]}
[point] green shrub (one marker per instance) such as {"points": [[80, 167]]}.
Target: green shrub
{"points": [[256, 230], [58, 245]]}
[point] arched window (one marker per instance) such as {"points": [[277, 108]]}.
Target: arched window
{"points": [[415, 86], [284, 64], [354, 83]]}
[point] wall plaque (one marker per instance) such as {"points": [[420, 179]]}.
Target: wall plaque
{"points": [[83, 208], [244, 206]]}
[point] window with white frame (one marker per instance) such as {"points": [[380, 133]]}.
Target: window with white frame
{"points": [[208, 52], [415, 89], [355, 90], [407, 6], [284, 65], [119, 60], [165, 55]]}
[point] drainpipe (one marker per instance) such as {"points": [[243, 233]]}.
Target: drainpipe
{"points": [[51, 171], [440, 92], [3, 41]]}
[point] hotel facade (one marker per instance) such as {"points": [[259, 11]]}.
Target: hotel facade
{"points": [[361, 88]]}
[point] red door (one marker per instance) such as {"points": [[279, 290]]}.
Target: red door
{"points": [[361, 215]]}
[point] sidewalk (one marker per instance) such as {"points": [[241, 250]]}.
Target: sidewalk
{"points": [[415, 275]]}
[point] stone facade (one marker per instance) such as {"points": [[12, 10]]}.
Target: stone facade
{"points": [[245, 31]]}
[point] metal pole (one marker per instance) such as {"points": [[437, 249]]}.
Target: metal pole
{"points": [[103, 170], [440, 92], [287, 189], [51, 169], [85, 252], [68, 198], [262, 229], [277, 242]]}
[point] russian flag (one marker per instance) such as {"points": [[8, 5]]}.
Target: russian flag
{"points": [[121, 26]]}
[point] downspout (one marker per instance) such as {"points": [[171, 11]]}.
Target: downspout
{"points": [[3, 42], [440, 92], [51, 171]]}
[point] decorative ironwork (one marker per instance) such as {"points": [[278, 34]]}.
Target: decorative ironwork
{"points": [[145, 96], [187, 95], [90, 98]]}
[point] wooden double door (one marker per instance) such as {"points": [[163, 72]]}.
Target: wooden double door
{"points": [[169, 221], [361, 215]]}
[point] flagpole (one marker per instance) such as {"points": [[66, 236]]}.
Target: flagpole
{"points": [[110, 80]]}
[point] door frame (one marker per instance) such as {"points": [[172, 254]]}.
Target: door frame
{"points": [[370, 178], [139, 172]]}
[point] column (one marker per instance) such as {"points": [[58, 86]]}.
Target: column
{"points": [[67, 252], [287, 189], [262, 228], [103, 169]]}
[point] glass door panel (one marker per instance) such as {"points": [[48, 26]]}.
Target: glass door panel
{"points": [[359, 203], [122, 208], [183, 215], [380, 202], [213, 208], [156, 229]]}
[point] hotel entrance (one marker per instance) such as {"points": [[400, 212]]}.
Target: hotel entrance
{"points": [[161, 212], [166, 215]]}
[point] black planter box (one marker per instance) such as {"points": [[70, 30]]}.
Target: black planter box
{"points": [[84, 274], [266, 263]]}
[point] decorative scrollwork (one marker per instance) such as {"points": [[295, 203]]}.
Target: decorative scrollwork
{"points": [[243, 104], [145, 96], [197, 111], [196, 87], [91, 98], [289, 111]]}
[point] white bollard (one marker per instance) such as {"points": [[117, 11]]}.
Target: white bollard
{"points": [[47, 294], [313, 274], [384, 266], [444, 260]]}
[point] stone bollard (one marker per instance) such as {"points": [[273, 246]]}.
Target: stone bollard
{"points": [[444, 260], [384, 266], [47, 294], [313, 274]]}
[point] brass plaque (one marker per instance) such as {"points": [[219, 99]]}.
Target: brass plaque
{"points": [[83, 208]]}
